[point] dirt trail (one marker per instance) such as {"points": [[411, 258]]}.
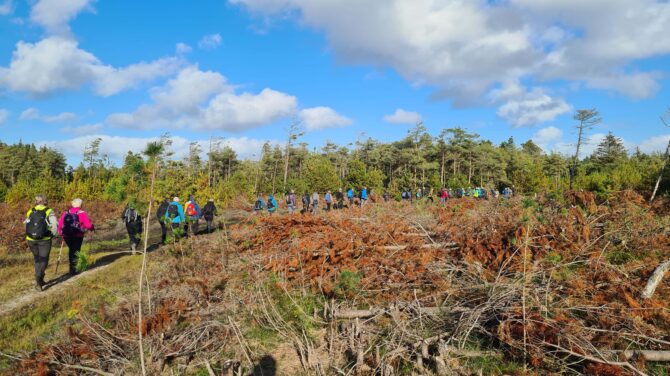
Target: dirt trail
{"points": [[64, 282]]}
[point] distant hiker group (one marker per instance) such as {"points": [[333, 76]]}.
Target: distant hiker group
{"points": [[341, 200]]}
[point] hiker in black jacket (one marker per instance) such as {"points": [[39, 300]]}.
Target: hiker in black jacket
{"points": [[208, 212], [160, 214], [133, 222]]}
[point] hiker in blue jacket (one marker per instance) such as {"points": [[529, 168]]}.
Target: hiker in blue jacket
{"points": [[259, 205], [272, 204], [350, 197], [364, 196], [175, 215]]}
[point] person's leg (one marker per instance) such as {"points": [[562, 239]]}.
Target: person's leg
{"points": [[195, 226], [163, 232], [74, 246], [40, 264]]}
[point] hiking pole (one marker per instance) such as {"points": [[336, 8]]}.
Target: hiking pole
{"points": [[60, 252]]}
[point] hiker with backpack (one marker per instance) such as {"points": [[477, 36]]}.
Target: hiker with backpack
{"points": [[386, 196], [271, 204], [339, 197], [363, 196], [160, 215], [305, 203], [133, 222], [174, 215], [291, 202], [41, 227], [328, 198], [406, 196], [259, 205], [315, 203], [350, 197], [73, 224], [208, 212], [193, 213]]}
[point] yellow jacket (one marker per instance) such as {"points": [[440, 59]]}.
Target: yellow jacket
{"points": [[52, 221]]}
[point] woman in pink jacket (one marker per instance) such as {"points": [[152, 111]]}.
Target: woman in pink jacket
{"points": [[72, 226]]}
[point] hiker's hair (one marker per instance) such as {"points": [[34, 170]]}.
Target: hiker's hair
{"points": [[76, 203], [41, 199]]}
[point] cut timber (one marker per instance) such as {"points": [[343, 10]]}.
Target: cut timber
{"points": [[655, 279], [649, 355]]}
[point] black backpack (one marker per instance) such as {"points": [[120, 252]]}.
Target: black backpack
{"points": [[36, 227], [130, 215], [71, 225], [162, 210], [258, 205], [172, 211]]}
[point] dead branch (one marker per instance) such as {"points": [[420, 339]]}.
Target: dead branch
{"points": [[655, 279]]}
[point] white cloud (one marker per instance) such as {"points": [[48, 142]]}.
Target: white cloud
{"points": [[655, 144], [34, 114], [57, 63], [532, 108], [205, 101], [401, 116], [4, 115], [54, 15], [240, 112], [465, 48], [546, 137], [209, 42], [317, 118], [83, 130], [116, 147], [183, 49], [6, 7]]}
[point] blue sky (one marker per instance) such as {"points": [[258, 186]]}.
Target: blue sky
{"points": [[129, 71]]}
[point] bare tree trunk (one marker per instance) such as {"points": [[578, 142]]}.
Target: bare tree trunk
{"points": [[660, 173], [144, 266]]}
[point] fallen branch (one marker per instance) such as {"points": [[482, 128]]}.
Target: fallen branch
{"points": [[649, 355], [655, 279]]}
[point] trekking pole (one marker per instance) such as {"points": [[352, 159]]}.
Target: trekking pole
{"points": [[60, 252]]}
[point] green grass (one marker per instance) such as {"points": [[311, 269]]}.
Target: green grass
{"points": [[25, 328], [490, 365]]}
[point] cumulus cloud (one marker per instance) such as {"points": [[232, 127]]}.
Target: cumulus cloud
{"points": [[210, 42], [6, 7], [401, 116], [83, 130], [546, 137], [204, 100], [116, 147], [55, 15], [4, 115], [535, 107], [466, 48], [317, 118], [34, 114], [655, 144], [57, 63]]}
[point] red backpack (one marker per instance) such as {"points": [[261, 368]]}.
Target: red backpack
{"points": [[191, 211]]}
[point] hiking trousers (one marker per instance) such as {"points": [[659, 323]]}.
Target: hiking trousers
{"points": [[210, 225], [40, 250], [133, 231], [163, 231], [74, 246]]}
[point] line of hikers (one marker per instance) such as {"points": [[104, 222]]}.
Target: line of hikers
{"points": [[42, 226], [310, 203]]}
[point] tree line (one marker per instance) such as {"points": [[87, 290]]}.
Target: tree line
{"points": [[453, 158]]}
